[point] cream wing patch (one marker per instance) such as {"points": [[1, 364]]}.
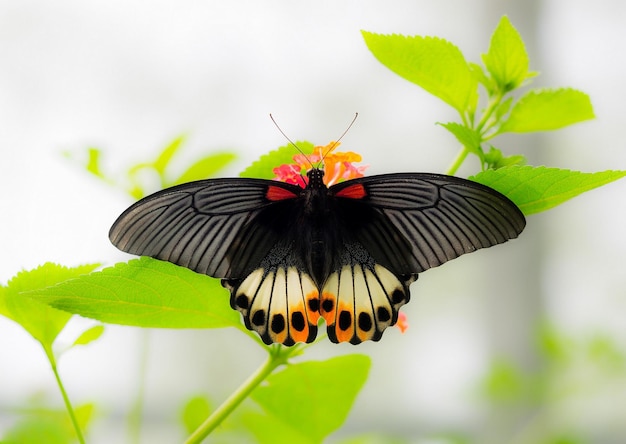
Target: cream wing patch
{"points": [[360, 301], [281, 305]]}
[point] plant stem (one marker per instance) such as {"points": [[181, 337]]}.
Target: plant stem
{"points": [[66, 399], [134, 416], [277, 357], [457, 161]]}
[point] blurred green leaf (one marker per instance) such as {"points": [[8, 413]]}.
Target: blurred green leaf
{"points": [[89, 335], [434, 64], [536, 189], [468, 137], [505, 382], [268, 429], [38, 430], [372, 438], [195, 412], [314, 398], [93, 162], [479, 73], [495, 159], [47, 426], [507, 60], [544, 110], [164, 158], [263, 167], [145, 292], [44, 323], [205, 168]]}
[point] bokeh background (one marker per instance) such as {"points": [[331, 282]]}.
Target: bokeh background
{"points": [[523, 343]]}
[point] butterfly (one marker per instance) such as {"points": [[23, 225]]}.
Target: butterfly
{"points": [[290, 254]]}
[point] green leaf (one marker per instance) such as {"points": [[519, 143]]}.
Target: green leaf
{"points": [[505, 382], [536, 189], [93, 162], [206, 167], [164, 158], [195, 412], [314, 398], [430, 62], [38, 430], [543, 110], [89, 335], [42, 425], [482, 77], [268, 429], [44, 323], [262, 168], [468, 137], [495, 159], [145, 292], [507, 60]]}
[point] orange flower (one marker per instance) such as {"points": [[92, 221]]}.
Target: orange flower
{"points": [[337, 166]]}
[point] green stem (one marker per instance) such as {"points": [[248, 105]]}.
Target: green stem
{"points": [[66, 399], [134, 417], [457, 161], [277, 357]]}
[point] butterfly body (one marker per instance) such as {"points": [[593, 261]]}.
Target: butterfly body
{"points": [[291, 255]]}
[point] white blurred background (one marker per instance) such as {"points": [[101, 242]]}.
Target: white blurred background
{"points": [[129, 76]]}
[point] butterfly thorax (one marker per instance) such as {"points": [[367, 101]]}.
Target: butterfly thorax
{"points": [[320, 241]]}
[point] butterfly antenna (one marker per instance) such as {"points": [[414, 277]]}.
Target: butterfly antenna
{"points": [[291, 141], [340, 137]]}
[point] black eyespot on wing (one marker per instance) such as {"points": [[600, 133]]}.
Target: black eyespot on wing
{"points": [[258, 318], [297, 321], [365, 321], [278, 323], [345, 320]]}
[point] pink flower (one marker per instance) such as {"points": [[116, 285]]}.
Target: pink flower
{"points": [[337, 166], [402, 323]]}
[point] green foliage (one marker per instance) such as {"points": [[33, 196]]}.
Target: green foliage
{"points": [[89, 335], [43, 322], [146, 293], [195, 411], [309, 400], [440, 68], [435, 64], [574, 369], [160, 167], [42, 425], [262, 168], [536, 189], [506, 60], [543, 110]]}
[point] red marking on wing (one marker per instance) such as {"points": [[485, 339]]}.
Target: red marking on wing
{"points": [[356, 191], [275, 193]]}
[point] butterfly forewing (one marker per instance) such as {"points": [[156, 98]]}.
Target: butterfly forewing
{"points": [[420, 220], [208, 226], [292, 255]]}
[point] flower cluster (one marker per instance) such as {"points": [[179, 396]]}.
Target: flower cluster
{"points": [[337, 166]]}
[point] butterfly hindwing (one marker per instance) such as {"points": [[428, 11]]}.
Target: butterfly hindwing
{"points": [[280, 304], [361, 298]]}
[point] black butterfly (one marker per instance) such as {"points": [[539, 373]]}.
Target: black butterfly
{"points": [[346, 253]]}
